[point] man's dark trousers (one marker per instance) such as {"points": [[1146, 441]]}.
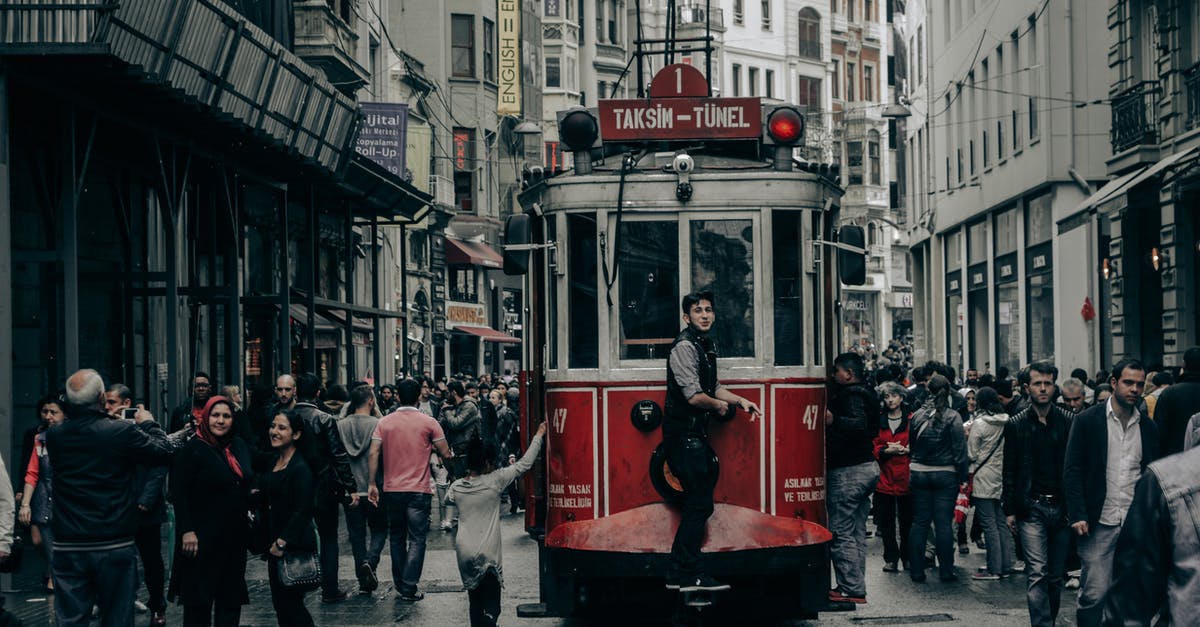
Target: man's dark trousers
{"points": [[149, 547], [326, 517], [688, 458], [106, 577]]}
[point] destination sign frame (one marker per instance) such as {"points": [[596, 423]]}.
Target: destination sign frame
{"points": [[680, 118]]}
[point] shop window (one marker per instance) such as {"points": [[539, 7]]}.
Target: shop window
{"points": [[462, 45], [723, 262], [648, 288], [1008, 324], [789, 287], [1039, 221], [583, 342]]}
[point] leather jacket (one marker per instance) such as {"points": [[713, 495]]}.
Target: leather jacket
{"points": [[938, 440], [324, 452], [1156, 566], [1018, 455], [849, 440]]}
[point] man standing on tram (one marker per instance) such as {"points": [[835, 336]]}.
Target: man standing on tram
{"points": [[693, 394]]}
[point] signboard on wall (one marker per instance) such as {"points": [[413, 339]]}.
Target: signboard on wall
{"points": [[465, 315], [382, 136], [508, 100]]}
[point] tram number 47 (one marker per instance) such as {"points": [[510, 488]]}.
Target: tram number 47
{"points": [[810, 417], [558, 420]]}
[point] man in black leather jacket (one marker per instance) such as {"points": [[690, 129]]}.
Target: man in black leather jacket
{"points": [[1035, 445], [325, 453]]}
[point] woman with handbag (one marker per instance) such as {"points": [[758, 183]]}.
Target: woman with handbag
{"points": [[985, 448], [210, 487], [37, 495], [937, 469], [289, 497]]}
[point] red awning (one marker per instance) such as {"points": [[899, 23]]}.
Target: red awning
{"points": [[472, 254], [489, 334]]}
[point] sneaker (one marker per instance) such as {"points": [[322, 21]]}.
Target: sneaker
{"points": [[890, 567], [1017, 567], [981, 544], [410, 597], [447, 525], [701, 582], [140, 607], [1072, 583], [367, 582], [963, 549], [984, 576], [158, 619], [337, 597], [839, 596]]}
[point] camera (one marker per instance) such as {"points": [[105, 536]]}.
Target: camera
{"points": [[683, 163], [129, 413]]}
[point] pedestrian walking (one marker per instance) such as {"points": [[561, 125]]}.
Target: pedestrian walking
{"points": [[477, 543], [937, 469], [94, 511], [289, 494], [461, 420], [38, 494], [893, 501], [357, 431], [985, 449], [1178, 403], [211, 479], [1035, 443], [325, 453], [403, 440], [851, 425], [1110, 446]]}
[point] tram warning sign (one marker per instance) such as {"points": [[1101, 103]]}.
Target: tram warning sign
{"points": [[680, 118]]}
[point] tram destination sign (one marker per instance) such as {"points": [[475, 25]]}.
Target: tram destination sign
{"points": [[680, 118]]}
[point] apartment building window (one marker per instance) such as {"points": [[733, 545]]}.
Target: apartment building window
{"points": [[769, 83], [851, 79], [342, 8], [600, 21], [462, 45], [1000, 149], [850, 10], [833, 6], [739, 11], [1033, 119], [582, 25], [1016, 134], [752, 81], [766, 14], [553, 72], [868, 83], [613, 35], [736, 79], [920, 54], [869, 10], [551, 8], [836, 76], [489, 50], [873, 163], [810, 33], [809, 93], [854, 163], [987, 154], [958, 152], [971, 156]]}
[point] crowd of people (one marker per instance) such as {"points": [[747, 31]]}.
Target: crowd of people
{"points": [[1084, 472], [273, 478]]}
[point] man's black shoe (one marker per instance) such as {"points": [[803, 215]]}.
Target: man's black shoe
{"points": [[367, 581], [701, 582], [338, 597]]}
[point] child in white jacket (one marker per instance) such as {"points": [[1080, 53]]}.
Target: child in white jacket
{"points": [[478, 540]]}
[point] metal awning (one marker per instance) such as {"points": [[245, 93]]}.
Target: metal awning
{"points": [[466, 253], [1109, 190], [383, 193], [1122, 185], [488, 334], [1162, 164]]}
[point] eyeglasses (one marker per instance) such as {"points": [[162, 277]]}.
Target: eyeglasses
{"points": [[1074, 399], [279, 389], [202, 385]]}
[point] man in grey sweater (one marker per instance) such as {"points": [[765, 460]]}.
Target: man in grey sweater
{"points": [[357, 428]]}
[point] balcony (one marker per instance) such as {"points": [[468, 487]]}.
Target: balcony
{"points": [[328, 43], [837, 23], [610, 51], [1133, 117], [873, 31], [1191, 85], [697, 18]]}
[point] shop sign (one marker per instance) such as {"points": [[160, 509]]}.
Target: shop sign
{"points": [[508, 100], [855, 303], [902, 300], [381, 136], [465, 314]]}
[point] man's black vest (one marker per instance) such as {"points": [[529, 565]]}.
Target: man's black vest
{"points": [[681, 418]]}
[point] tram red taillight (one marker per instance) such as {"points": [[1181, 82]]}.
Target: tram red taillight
{"points": [[785, 126]]}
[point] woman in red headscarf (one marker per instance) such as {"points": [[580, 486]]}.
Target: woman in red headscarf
{"points": [[210, 487]]}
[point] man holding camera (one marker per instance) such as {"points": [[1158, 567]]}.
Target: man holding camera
{"points": [[693, 395]]}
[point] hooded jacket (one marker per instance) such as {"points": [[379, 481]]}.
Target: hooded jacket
{"points": [[985, 449], [324, 451], [356, 431], [1174, 408]]}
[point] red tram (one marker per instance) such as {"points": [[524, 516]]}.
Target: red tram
{"points": [[671, 194]]}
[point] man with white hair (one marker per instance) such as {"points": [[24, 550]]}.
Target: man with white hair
{"points": [[95, 512]]}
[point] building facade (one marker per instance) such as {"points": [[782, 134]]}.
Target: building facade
{"points": [[1009, 135]]}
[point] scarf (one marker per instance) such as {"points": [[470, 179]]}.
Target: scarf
{"points": [[222, 443]]}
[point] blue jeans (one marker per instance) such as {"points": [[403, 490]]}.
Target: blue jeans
{"points": [[1096, 554], [933, 495], [849, 504], [997, 535], [408, 515], [1046, 537], [108, 578], [358, 521]]}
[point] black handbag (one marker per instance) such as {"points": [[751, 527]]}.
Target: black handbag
{"points": [[299, 570]]}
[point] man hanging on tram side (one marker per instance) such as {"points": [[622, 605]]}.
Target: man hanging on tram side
{"points": [[693, 394]]}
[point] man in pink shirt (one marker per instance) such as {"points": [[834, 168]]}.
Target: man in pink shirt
{"points": [[405, 438]]}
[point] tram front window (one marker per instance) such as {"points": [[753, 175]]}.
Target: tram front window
{"points": [[582, 302], [649, 288], [786, 234], [723, 262]]}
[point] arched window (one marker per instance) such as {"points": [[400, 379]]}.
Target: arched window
{"points": [[810, 33], [874, 175]]}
